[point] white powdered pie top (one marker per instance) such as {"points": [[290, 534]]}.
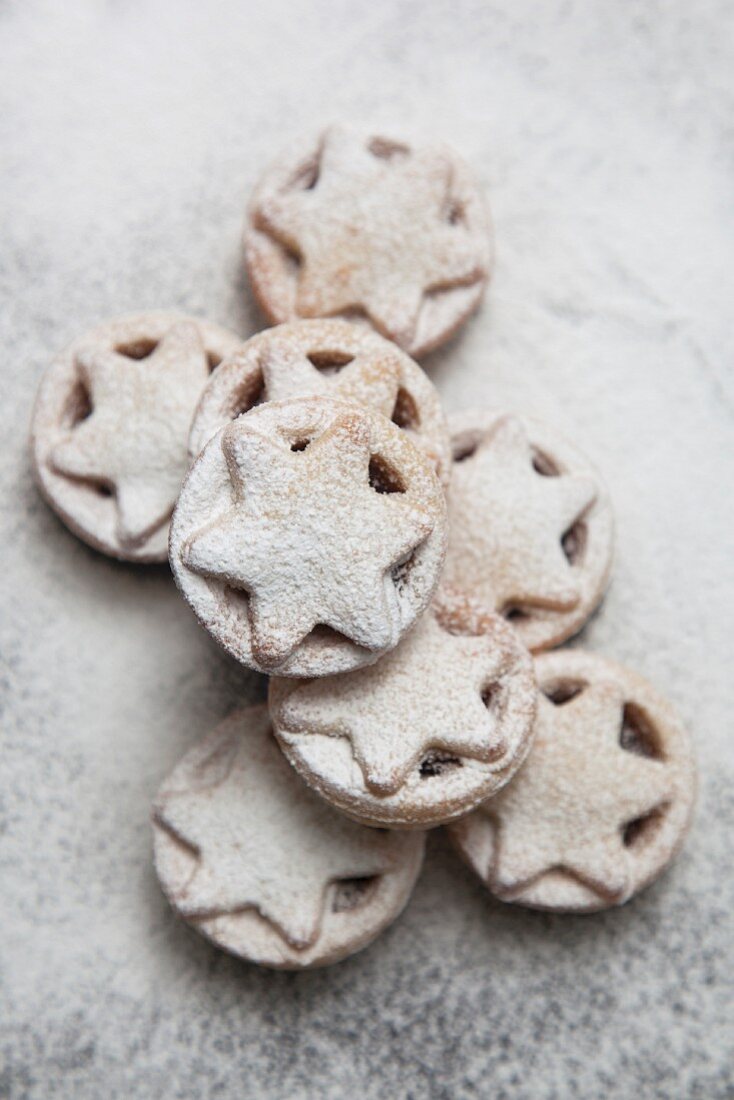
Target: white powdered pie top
{"points": [[531, 525], [424, 735], [256, 862], [352, 221], [111, 423], [603, 800], [309, 536], [334, 358]]}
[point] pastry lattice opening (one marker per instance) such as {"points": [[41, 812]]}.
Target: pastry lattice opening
{"points": [[437, 763], [137, 349], [247, 396], [405, 411], [328, 634], [351, 893], [400, 572], [642, 830], [544, 465], [383, 477], [489, 694], [455, 212], [307, 176], [384, 149], [563, 691], [330, 362], [574, 542], [638, 734], [78, 405], [462, 453]]}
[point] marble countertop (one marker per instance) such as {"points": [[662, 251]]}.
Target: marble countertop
{"points": [[131, 134]]}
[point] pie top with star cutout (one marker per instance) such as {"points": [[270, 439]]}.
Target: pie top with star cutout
{"points": [[264, 868], [355, 223], [334, 358], [603, 800], [308, 537], [531, 525], [436, 726], [111, 423]]}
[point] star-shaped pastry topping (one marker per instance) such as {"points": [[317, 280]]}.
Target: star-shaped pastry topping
{"points": [[263, 841], [507, 522], [369, 380], [309, 538], [426, 694], [375, 231], [134, 440], [568, 805]]}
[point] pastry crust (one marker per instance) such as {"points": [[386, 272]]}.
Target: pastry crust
{"points": [[263, 868], [309, 536], [334, 358], [438, 725], [603, 801], [531, 525], [355, 223], [110, 425]]}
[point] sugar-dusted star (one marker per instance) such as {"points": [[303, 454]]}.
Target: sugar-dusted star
{"points": [[134, 440], [371, 379], [426, 694], [507, 522], [567, 806], [374, 232], [263, 842], [309, 539]]}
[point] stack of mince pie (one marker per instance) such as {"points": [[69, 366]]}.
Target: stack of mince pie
{"points": [[401, 580]]}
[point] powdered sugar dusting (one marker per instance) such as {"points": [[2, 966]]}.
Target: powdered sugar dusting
{"points": [[251, 858], [132, 133], [598, 809], [288, 527], [531, 525], [111, 422], [329, 357], [354, 221], [436, 726]]}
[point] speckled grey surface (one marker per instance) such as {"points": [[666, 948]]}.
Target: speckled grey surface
{"points": [[130, 134]]}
